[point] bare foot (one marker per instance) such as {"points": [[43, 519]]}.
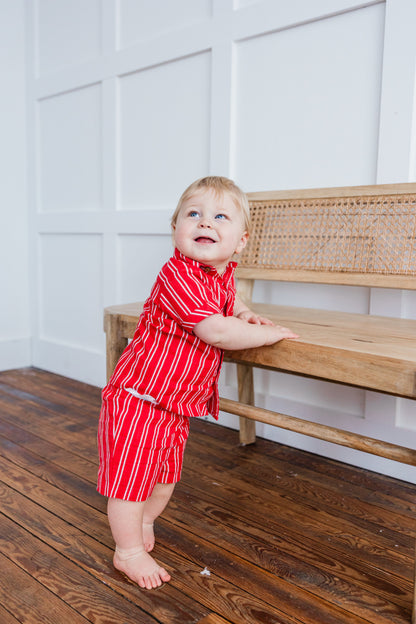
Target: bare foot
{"points": [[148, 536], [140, 567]]}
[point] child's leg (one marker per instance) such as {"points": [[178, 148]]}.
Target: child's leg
{"points": [[153, 507], [130, 557]]}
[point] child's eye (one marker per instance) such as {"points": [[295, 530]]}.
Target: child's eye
{"points": [[220, 216], [193, 213]]}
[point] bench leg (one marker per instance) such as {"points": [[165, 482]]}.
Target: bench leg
{"points": [[115, 343], [246, 395]]}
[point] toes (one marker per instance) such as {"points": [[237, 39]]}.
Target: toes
{"points": [[157, 579], [164, 575], [152, 581], [139, 567]]}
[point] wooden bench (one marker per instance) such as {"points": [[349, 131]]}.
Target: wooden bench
{"points": [[357, 236]]}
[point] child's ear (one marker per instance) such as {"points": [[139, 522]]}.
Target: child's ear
{"points": [[242, 243]]}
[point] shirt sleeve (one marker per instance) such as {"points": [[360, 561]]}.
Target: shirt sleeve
{"points": [[184, 296]]}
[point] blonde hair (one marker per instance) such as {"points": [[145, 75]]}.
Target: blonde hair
{"points": [[219, 185]]}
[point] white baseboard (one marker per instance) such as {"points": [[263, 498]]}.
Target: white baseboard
{"points": [[70, 361]]}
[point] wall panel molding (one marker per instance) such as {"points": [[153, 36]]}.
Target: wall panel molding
{"points": [[264, 17]]}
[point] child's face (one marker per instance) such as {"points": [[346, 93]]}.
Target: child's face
{"points": [[210, 229]]}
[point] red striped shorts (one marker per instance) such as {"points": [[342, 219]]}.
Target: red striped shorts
{"points": [[139, 445]]}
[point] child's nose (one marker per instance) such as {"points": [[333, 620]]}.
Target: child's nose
{"points": [[205, 222]]}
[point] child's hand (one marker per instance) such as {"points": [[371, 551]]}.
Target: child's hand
{"points": [[232, 333], [254, 319], [281, 333]]}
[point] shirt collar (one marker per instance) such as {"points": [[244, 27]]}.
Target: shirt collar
{"points": [[226, 276]]}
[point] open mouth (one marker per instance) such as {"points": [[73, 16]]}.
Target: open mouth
{"points": [[204, 240]]}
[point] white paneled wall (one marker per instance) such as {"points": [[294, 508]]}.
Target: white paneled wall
{"points": [[164, 129], [315, 102], [69, 127], [14, 282], [70, 289], [141, 20], [130, 100], [67, 33], [134, 254]]}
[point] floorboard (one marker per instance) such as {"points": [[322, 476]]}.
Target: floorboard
{"points": [[287, 537]]}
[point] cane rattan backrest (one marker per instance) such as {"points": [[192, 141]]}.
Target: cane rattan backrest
{"points": [[352, 235]]}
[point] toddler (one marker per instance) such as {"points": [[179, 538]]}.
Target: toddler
{"points": [[169, 372]]}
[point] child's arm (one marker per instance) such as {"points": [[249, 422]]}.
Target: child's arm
{"points": [[230, 332], [244, 313]]}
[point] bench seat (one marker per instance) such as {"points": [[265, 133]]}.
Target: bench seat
{"points": [[367, 351], [372, 352]]}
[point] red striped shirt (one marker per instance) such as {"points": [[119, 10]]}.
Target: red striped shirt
{"points": [[165, 360]]}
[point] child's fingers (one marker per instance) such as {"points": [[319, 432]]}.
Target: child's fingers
{"points": [[288, 333], [254, 320], [265, 321]]}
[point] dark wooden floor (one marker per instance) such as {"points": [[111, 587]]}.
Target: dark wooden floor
{"points": [[288, 537]]}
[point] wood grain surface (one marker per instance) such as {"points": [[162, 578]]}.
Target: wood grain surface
{"points": [[289, 537]]}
